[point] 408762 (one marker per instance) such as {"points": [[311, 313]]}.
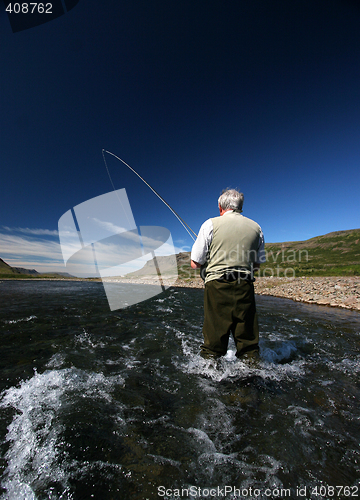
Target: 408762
{"points": [[335, 491], [29, 8]]}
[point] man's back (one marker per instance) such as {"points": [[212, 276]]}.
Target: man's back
{"points": [[235, 244]]}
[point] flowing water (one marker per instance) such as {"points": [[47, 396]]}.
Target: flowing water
{"points": [[119, 405]]}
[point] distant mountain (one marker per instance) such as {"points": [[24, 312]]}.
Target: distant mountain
{"points": [[8, 270], [22, 270], [166, 264]]}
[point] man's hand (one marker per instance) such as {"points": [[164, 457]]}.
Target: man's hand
{"points": [[195, 265]]}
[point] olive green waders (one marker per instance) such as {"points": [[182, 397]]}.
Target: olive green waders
{"points": [[229, 307]]}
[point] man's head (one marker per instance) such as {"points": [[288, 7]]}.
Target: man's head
{"points": [[230, 199]]}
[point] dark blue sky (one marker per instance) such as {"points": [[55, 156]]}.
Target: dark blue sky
{"points": [[263, 95]]}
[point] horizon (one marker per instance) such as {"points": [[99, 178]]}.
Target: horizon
{"points": [[179, 251]]}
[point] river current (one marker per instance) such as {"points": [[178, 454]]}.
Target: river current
{"points": [[119, 405]]}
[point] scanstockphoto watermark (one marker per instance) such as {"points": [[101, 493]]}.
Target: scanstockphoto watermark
{"points": [[242, 254], [224, 492], [283, 262], [286, 260], [233, 492]]}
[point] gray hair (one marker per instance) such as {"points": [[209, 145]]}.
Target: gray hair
{"points": [[231, 199]]}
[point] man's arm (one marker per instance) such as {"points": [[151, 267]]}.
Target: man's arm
{"points": [[201, 245]]}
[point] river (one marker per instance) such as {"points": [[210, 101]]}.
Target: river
{"points": [[119, 405]]}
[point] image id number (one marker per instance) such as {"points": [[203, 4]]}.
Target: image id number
{"points": [[336, 491], [29, 8]]}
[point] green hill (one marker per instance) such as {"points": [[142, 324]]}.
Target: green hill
{"points": [[7, 271], [333, 254], [5, 268]]}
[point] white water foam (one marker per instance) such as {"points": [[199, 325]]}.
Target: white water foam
{"points": [[85, 340], [34, 435], [272, 365], [56, 361], [212, 457], [14, 321], [347, 366]]}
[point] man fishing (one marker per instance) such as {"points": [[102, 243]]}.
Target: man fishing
{"points": [[228, 250]]}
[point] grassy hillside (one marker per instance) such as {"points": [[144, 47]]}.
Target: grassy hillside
{"points": [[333, 254], [5, 269]]}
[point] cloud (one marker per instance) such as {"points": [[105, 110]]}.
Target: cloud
{"points": [[30, 252], [33, 249], [34, 232], [109, 226], [181, 246]]}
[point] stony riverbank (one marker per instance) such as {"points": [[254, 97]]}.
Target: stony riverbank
{"points": [[333, 291], [330, 291]]}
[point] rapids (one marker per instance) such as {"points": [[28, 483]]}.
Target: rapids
{"points": [[119, 405]]}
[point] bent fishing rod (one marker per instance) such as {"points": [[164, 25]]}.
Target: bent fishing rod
{"points": [[182, 222]]}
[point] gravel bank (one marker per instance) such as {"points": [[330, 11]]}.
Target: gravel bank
{"points": [[331, 291]]}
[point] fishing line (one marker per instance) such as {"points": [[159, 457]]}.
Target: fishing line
{"points": [[182, 222]]}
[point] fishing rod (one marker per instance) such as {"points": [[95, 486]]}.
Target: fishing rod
{"points": [[182, 222]]}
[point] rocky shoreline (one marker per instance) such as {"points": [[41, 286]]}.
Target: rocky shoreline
{"points": [[328, 291], [335, 291]]}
